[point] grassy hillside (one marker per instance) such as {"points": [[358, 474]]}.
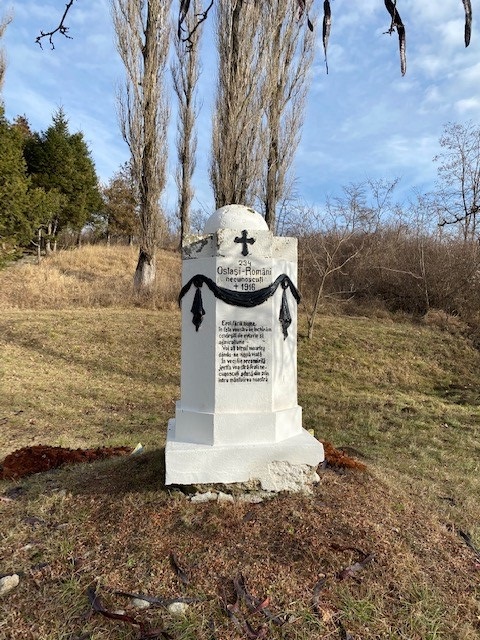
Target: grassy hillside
{"points": [[403, 397], [94, 276]]}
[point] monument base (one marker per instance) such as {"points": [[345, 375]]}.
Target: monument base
{"points": [[278, 466]]}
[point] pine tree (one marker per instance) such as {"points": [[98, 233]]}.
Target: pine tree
{"points": [[60, 162], [120, 210], [15, 226]]}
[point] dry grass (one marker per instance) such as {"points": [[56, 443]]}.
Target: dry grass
{"points": [[403, 397], [93, 276], [113, 526]]}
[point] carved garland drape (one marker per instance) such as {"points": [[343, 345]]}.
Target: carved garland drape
{"points": [[240, 298]]}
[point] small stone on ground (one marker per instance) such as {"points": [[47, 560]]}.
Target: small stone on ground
{"points": [[7, 583], [178, 608], [140, 604]]}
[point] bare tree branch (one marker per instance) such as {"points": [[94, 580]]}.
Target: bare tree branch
{"points": [[185, 74], [327, 24], [468, 21], [142, 29], [4, 22], [399, 26], [186, 33], [61, 28], [201, 17]]}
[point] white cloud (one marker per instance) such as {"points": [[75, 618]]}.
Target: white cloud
{"points": [[468, 105]]}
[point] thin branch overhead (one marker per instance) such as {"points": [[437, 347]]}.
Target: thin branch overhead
{"points": [[468, 21], [327, 23], [186, 34], [61, 28], [397, 24]]}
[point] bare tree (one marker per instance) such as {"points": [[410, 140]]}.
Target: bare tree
{"points": [[142, 29], [237, 141], [185, 74], [336, 241], [458, 191], [328, 241], [4, 22], [290, 50]]}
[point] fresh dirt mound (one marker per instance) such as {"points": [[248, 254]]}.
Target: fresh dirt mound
{"points": [[37, 458], [339, 459]]}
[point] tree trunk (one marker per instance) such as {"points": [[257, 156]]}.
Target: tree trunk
{"points": [[145, 272], [272, 184], [39, 245], [48, 246]]}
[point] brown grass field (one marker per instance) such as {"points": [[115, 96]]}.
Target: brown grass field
{"points": [[392, 553]]}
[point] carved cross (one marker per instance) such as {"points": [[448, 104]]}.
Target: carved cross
{"points": [[245, 242]]}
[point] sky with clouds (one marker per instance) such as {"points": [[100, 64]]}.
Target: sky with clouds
{"points": [[363, 119]]}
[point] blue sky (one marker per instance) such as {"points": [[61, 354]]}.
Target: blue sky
{"points": [[363, 119]]}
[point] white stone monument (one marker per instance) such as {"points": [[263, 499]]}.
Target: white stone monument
{"points": [[238, 418]]}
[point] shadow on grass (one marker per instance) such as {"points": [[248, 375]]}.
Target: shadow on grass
{"points": [[130, 474], [139, 473]]}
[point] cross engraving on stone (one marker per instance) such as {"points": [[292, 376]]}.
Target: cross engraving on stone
{"points": [[245, 242]]}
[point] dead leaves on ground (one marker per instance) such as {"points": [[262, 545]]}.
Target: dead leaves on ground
{"points": [[253, 606], [250, 615], [145, 633], [339, 459], [324, 610]]}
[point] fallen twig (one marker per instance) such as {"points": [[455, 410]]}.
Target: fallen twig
{"points": [[179, 571], [468, 541], [316, 594], [356, 567], [255, 605], [344, 634], [98, 607], [145, 633], [159, 601]]}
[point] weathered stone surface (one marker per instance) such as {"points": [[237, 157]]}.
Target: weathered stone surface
{"points": [[283, 476], [252, 498], [7, 583], [235, 216], [225, 497], [209, 496]]}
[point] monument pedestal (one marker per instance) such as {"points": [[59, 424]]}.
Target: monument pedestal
{"points": [[278, 466], [238, 418]]}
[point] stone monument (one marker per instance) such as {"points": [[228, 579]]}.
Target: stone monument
{"points": [[238, 417]]}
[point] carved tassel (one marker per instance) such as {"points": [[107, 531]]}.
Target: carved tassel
{"points": [[197, 309], [285, 317]]}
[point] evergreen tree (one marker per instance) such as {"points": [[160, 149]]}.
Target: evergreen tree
{"points": [[120, 212], [15, 225], [61, 162], [23, 207]]}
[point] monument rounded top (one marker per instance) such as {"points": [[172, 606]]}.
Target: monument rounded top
{"points": [[235, 216]]}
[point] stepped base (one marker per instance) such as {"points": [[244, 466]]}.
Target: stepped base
{"points": [[288, 465]]}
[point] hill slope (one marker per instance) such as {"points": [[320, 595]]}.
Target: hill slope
{"points": [[402, 396]]}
